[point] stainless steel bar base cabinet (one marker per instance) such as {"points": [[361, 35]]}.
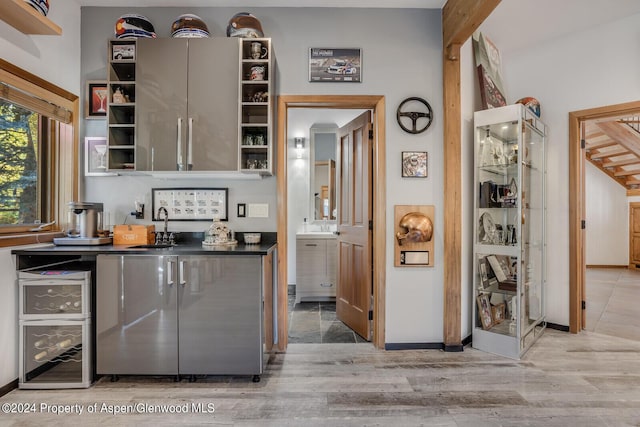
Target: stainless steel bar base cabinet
{"points": [[179, 315], [509, 230], [55, 329]]}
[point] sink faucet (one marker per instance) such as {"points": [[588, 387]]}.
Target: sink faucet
{"points": [[166, 221]]}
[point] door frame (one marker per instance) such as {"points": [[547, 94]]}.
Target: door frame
{"points": [[631, 206], [376, 103], [577, 214]]}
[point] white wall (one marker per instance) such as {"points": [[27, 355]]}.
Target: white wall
{"points": [[586, 69], [607, 216], [53, 58], [407, 63]]}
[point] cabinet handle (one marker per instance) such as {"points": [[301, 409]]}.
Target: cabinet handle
{"points": [[179, 145], [170, 273], [190, 145], [181, 278], [311, 244], [326, 285]]}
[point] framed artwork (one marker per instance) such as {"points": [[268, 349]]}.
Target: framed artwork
{"points": [[498, 313], [335, 65], [123, 52], [414, 164], [190, 204], [95, 156], [484, 311], [96, 101]]}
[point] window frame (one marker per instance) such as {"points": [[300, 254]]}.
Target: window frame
{"points": [[62, 173]]}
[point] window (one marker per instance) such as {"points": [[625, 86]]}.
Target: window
{"points": [[20, 163], [38, 154]]}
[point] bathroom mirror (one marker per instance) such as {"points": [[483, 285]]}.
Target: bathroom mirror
{"points": [[322, 140]]}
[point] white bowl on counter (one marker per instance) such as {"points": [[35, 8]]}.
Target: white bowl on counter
{"points": [[251, 238]]}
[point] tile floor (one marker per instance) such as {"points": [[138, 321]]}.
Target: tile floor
{"points": [[316, 323], [613, 302]]}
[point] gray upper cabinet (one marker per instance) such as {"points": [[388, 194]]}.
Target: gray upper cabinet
{"points": [[186, 104]]}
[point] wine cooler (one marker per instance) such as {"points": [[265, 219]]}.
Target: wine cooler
{"points": [[55, 328]]}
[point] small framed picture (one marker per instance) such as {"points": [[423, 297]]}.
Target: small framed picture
{"points": [[484, 311], [123, 52], [96, 99], [414, 164], [190, 204], [331, 65], [95, 156], [498, 313]]}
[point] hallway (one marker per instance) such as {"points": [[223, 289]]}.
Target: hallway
{"points": [[613, 296]]}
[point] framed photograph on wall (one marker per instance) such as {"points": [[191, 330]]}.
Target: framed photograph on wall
{"points": [[335, 65], [191, 204], [96, 99], [96, 159], [414, 164]]}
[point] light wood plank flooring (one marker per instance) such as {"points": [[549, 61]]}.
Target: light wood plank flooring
{"points": [[613, 302], [587, 379]]}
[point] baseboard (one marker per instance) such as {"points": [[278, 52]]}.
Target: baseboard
{"points": [[414, 346], [428, 346], [557, 327], [607, 266], [9, 387]]}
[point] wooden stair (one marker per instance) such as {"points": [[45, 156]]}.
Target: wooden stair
{"points": [[613, 146]]}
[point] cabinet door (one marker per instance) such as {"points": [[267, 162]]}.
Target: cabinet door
{"points": [[220, 320], [212, 141], [136, 314], [161, 104]]}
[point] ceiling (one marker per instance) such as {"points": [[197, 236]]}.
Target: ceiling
{"points": [[417, 4]]}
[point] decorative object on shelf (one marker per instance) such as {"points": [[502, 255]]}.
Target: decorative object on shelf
{"points": [[484, 311], [414, 235], [413, 115], [258, 51], [96, 99], [488, 65], [486, 229], [132, 25], [119, 97], [123, 52], [191, 204], [257, 72], [260, 97], [244, 25], [41, 6], [498, 313], [189, 25], [531, 103], [414, 164], [335, 65]]}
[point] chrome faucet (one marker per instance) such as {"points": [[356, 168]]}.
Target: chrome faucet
{"points": [[166, 221]]}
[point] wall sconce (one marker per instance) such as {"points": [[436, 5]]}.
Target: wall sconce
{"points": [[299, 144]]}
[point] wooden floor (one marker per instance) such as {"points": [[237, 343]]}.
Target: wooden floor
{"points": [[587, 379]]}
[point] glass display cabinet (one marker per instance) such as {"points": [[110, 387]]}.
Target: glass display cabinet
{"points": [[509, 230]]}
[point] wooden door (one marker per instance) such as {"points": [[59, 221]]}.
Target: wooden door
{"points": [[634, 235], [354, 289]]}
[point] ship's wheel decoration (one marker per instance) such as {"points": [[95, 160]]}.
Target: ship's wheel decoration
{"points": [[417, 118]]}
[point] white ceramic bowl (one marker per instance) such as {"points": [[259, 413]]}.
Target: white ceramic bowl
{"points": [[251, 238]]}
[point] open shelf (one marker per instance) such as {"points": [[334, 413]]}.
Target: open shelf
{"points": [[26, 19]]}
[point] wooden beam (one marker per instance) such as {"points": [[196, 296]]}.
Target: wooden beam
{"points": [[626, 172], [460, 18], [624, 162]]}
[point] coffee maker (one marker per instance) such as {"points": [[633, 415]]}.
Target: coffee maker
{"points": [[85, 225]]}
